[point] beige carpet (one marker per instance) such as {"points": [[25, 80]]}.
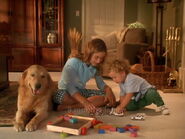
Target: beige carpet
{"points": [[155, 126]]}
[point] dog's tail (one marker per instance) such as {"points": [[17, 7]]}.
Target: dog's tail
{"points": [[75, 42]]}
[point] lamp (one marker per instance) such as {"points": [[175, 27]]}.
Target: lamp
{"points": [[159, 29]]}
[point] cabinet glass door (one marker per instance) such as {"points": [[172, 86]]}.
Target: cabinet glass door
{"points": [[50, 18]]}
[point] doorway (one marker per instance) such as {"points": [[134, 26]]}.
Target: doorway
{"points": [[100, 17]]}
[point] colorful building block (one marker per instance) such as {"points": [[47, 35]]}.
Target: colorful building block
{"points": [[121, 130], [113, 129], [84, 131], [67, 118], [101, 131], [98, 126], [73, 120], [95, 122], [63, 135], [133, 134]]}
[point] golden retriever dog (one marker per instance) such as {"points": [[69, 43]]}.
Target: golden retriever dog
{"points": [[34, 98]]}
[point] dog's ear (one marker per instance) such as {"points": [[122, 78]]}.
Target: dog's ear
{"points": [[24, 74]]}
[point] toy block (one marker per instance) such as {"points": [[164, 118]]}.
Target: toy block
{"points": [[121, 130], [133, 134], [135, 127], [132, 130], [101, 131], [95, 122], [106, 127], [67, 118], [97, 126], [63, 135], [113, 129], [73, 120], [61, 125], [84, 131]]}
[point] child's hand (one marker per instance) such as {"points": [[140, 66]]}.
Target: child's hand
{"points": [[119, 109]]}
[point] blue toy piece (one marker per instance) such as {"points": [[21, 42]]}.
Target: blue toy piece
{"points": [[101, 131], [121, 130], [73, 120]]}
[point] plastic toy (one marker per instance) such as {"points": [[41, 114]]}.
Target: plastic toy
{"points": [[73, 120], [62, 125], [101, 131], [121, 130], [133, 134], [63, 135], [113, 129], [84, 131], [95, 122], [138, 116]]}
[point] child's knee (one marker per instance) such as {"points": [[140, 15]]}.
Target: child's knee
{"points": [[132, 106]]}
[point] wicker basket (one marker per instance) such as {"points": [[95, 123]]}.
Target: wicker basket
{"points": [[155, 74]]}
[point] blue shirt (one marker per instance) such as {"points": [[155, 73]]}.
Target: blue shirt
{"points": [[134, 84], [75, 75]]}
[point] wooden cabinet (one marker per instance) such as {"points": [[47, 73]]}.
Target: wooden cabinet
{"points": [[51, 58], [23, 30], [50, 34], [31, 23], [4, 43]]}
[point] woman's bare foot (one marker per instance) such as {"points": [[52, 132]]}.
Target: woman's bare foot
{"points": [[62, 107]]}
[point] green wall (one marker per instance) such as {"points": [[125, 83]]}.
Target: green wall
{"points": [[71, 20]]}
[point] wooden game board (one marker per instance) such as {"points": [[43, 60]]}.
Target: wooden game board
{"points": [[61, 125]]}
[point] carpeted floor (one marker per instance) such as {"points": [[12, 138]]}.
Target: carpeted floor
{"points": [[8, 104], [155, 126]]}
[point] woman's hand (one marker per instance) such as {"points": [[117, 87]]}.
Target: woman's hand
{"points": [[87, 104], [109, 96], [89, 107]]}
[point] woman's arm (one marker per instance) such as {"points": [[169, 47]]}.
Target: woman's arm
{"points": [[109, 96]]}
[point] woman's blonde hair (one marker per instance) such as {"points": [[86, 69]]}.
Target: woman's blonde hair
{"points": [[120, 66], [93, 46]]}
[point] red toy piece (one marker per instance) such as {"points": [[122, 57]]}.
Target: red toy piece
{"points": [[95, 122], [84, 131], [133, 134]]}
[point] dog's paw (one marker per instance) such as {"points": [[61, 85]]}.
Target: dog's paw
{"points": [[19, 127], [31, 127]]}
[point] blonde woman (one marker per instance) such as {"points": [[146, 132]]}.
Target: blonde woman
{"points": [[77, 71]]}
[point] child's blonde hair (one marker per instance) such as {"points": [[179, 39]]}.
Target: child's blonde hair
{"points": [[120, 66], [94, 46]]}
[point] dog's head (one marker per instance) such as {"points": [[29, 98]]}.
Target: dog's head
{"points": [[37, 79]]}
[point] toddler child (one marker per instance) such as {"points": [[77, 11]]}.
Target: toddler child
{"points": [[135, 92]]}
